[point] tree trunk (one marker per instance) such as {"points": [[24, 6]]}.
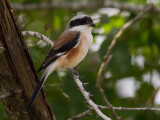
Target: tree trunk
{"points": [[18, 77]]}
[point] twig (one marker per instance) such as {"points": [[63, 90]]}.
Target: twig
{"points": [[107, 57], [85, 113], [81, 5], [86, 95], [125, 26], [101, 69], [131, 109], [109, 104], [40, 36], [101, 90]]}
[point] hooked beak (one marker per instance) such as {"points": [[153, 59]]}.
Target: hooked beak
{"points": [[92, 24]]}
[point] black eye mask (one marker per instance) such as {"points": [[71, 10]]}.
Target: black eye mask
{"points": [[83, 21]]}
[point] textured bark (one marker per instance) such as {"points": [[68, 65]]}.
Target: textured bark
{"points": [[18, 77]]}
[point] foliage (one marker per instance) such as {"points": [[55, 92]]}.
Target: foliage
{"points": [[136, 55]]}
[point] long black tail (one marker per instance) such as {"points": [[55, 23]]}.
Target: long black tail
{"points": [[38, 88]]}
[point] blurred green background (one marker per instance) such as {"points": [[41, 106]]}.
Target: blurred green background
{"points": [[132, 77]]}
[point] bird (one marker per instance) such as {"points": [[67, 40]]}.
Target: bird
{"points": [[69, 50]]}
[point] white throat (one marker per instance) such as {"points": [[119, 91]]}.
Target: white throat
{"points": [[82, 28], [86, 30]]}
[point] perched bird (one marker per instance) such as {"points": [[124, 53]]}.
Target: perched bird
{"points": [[69, 50]]}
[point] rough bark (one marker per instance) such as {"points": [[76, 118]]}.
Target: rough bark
{"points": [[18, 77]]}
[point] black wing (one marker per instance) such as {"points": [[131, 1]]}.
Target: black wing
{"points": [[54, 54]]}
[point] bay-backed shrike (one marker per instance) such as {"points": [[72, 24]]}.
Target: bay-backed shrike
{"points": [[69, 50]]}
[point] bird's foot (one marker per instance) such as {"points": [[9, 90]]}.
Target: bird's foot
{"points": [[73, 71]]}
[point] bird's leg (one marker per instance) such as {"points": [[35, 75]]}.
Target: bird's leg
{"points": [[73, 71], [75, 68]]}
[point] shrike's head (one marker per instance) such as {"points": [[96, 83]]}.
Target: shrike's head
{"points": [[80, 22]]}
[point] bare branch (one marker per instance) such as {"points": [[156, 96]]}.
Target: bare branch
{"points": [[40, 36], [131, 109], [101, 90], [109, 105], [81, 5], [86, 95], [101, 69], [125, 26], [85, 113], [107, 57]]}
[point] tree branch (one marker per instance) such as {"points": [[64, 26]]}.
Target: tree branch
{"points": [[109, 104], [87, 112], [86, 95], [101, 69], [101, 90], [131, 109], [107, 57], [125, 26], [81, 5], [40, 36]]}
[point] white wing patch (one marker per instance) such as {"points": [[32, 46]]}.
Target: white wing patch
{"points": [[77, 44], [59, 54]]}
